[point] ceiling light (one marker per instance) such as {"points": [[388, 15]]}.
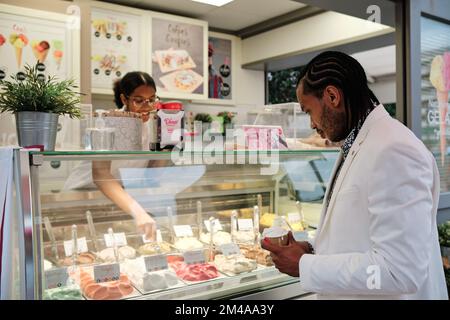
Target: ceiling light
{"points": [[217, 3]]}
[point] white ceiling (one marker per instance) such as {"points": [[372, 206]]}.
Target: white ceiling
{"points": [[233, 16]]}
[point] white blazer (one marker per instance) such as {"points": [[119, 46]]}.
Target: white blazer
{"points": [[378, 237]]}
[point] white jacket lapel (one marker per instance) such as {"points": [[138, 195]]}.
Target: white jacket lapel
{"points": [[377, 113]]}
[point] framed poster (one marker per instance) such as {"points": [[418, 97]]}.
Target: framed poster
{"points": [[117, 43], [179, 56], [221, 71], [435, 89], [29, 36]]}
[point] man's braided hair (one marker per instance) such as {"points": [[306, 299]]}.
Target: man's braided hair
{"points": [[344, 72]]}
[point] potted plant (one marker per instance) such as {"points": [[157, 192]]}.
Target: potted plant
{"points": [[444, 241], [227, 120], [206, 120], [37, 102]]}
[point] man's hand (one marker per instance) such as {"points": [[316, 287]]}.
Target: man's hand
{"points": [[286, 258], [146, 225]]}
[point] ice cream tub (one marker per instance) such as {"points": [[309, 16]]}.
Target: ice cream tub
{"points": [[276, 235]]}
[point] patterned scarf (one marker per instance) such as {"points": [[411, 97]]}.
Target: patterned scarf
{"points": [[348, 142]]}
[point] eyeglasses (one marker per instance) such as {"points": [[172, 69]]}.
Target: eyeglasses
{"points": [[139, 102]]}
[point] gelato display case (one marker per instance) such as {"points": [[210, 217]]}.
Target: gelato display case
{"points": [[210, 216]]}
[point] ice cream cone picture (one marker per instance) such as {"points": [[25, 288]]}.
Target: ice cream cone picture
{"points": [[100, 27], [58, 53], [40, 50], [18, 41], [440, 79]]}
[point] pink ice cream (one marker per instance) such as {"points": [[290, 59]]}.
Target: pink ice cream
{"points": [[446, 70]]}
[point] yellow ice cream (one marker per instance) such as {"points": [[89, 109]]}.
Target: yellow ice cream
{"points": [[437, 73]]}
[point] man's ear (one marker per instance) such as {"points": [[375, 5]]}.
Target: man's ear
{"points": [[333, 96]]}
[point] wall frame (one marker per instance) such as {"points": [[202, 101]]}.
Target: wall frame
{"points": [[118, 43], [231, 80], [178, 56], [28, 36]]}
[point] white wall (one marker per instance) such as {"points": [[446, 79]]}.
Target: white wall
{"points": [[325, 30], [385, 90]]}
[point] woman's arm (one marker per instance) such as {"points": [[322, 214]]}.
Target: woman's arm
{"points": [[111, 188]]}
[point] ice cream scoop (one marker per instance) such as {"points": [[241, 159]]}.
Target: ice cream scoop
{"points": [[2, 40]]}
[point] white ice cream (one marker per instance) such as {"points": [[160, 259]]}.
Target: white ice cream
{"points": [[124, 252], [247, 237], [188, 243], [234, 264], [148, 281], [219, 238]]}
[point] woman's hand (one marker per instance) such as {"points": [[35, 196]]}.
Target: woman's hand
{"points": [[146, 225]]}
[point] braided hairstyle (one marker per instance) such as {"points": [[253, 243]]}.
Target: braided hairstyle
{"points": [[129, 83], [344, 72]]}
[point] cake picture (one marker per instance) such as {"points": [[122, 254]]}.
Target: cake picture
{"points": [[171, 60], [40, 50], [185, 81], [18, 41], [440, 79]]}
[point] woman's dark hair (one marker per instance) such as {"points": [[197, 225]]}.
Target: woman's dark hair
{"points": [[344, 72], [129, 83]]}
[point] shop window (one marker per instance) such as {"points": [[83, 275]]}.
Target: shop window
{"points": [[281, 85], [435, 87]]}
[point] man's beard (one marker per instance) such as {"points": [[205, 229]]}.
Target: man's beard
{"points": [[334, 123]]}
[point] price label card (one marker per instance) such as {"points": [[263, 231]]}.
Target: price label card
{"points": [[158, 237], [183, 231], [81, 245], [294, 217], [217, 226], [229, 249], [192, 257], [245, 224], [119, 238], [107, 272], [56, 278], [155, 262]]}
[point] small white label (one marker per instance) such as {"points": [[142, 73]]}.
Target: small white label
{"points": [[107, 272], [158, 237], [229, 249], [81, 245], [245, 224], [217, 226], [56, 278], [192, 257], [155, 262], [183, 231], [119, 238], [294, 217]]}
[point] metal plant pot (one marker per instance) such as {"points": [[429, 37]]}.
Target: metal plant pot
{"points": [[37, 128]]}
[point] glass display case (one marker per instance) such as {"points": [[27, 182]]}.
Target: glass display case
{"points": [[81, 244]]}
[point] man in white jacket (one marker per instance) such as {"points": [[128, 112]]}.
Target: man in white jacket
{"points": [[377, 236]]}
